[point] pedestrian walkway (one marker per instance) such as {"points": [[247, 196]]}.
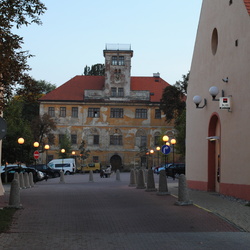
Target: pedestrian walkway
{"points": [[108, 214]]}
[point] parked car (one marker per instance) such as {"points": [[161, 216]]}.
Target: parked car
{"points": [[175, 169], [37, 175], [67, 165], [162, 167], [48, 171]]}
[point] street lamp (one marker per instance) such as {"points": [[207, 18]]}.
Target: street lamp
{"points": [[158, 155], [36, 145], [21, 142], [165, 138], [62, 151], [173, 142], [46, 147], [74, 155], [152, 153], [147, 154]]}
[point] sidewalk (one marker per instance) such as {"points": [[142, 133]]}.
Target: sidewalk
{"points": [[107, 214], [232, 210]]}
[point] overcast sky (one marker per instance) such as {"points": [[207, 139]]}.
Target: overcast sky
{"points": [[74, 34]]}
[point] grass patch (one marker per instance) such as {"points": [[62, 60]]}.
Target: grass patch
{"points": [[6, 216]]}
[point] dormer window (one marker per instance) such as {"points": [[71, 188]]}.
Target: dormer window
{"points": [[114, 92]]}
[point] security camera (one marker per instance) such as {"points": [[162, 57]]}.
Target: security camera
{"points": [[225, 79]]}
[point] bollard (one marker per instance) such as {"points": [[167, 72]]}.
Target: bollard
{"points": [[26, 180], [118, 177], [140, 180], [132, 178], [62, 177], [21, 181], [14, 199], [183, 195], [91, 178], [31, 179], [2, 191], [150, 181], [163, 185]]}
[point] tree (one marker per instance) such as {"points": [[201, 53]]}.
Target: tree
{"points": [[65, 144], [95, 70], [173, 104], [42, 126], [17, 127], [30, 93], [13, 61], [84, 153]]}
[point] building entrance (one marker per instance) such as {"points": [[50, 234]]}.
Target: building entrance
{"points": [[116, 162]]}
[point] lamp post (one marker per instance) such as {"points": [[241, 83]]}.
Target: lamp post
{"points": [[147, 154], [74, 155], [152, 153], [173, 142], [165, 138], [62, 151], [36, 145], [20, 142], [46, 147], [158, 155]]}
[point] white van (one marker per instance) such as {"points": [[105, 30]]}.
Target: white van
{"points": [[67, 165]]}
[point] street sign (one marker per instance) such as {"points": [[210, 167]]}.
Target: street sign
{"points": [[165, 149], [36, 155]]}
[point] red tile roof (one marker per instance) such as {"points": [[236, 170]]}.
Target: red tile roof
{"points": [[73, 90], [247, 3]]}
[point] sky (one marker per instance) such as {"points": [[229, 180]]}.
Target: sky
{"points": [[74, 34]]}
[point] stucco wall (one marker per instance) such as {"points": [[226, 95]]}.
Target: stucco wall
{"points": [[231, 60]]}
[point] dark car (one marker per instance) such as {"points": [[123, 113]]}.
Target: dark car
{"points": [[175, 169], [49, 172], [37, 175]]}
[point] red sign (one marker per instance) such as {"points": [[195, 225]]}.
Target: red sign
{"points": [[36, 155]]}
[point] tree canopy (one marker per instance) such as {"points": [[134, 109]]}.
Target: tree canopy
{"points": [[95, 70], [22, 117], [13, 61], [173, 104]]}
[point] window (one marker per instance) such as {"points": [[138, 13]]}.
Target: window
{"points": [[157, 140], [116, 113], [157, 114], [95, 159], [120, 92], [118, 60], [214, 41], [121, 60], [93, 139], [114, 60], [141, 138], [51, 111], [62, 111], [51, 139], [141, 113], [74, 112], [73, 139], [96, 140], [116, 140], [61, 138], [113, 92], [93, 112]]}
